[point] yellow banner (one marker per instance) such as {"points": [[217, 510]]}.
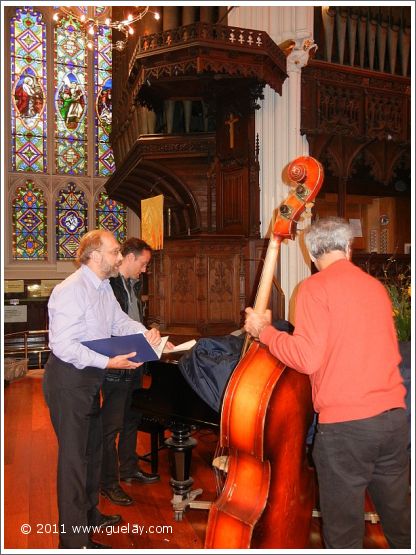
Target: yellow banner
{"points": [[152, 222]]}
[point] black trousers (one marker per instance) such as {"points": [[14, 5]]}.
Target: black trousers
{"points": [[72, 396], [353, 456], [119, 459]]}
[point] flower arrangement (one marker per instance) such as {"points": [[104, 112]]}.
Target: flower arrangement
{"points": [[399, 289]]}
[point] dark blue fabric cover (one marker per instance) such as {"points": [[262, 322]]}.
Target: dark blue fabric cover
{"points": [[209, 364]]}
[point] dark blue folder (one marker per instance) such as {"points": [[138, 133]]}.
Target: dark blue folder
{"points": [[122, 345]]}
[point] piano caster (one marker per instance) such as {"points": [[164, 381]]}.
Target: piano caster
{"points": [[180, 503]]}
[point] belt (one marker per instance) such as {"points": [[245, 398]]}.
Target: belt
{"points": [[121, 376]]}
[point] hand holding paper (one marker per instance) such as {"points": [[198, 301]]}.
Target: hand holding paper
{"points": [[153, 337], [177, 348]]}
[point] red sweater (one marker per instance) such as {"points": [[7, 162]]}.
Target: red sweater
{"points": [[345, 340]]}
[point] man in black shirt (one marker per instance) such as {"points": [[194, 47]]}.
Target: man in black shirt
{"points": [[120, 462]]}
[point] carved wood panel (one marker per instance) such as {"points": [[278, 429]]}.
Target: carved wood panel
{"points": [[339, 100], [357, 125], [222, 286], [232, 201], [201, 286]]}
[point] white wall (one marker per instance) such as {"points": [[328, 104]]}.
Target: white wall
{"points": [[278, 126]]}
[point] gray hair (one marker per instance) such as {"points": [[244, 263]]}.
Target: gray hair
{"points": [[328, 234]]}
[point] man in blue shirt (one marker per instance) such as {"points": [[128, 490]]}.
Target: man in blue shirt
{"points": [[82, 308]]}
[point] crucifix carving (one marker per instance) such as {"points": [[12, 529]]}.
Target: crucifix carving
{"points": [[231, 121]]}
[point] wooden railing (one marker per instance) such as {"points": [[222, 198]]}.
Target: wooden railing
{"points": [[215, 35], [23, 344]]}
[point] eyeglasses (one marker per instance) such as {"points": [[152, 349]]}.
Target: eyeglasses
{"points": [[114, 252]]}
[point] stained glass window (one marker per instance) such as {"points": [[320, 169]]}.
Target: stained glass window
{"points": [[71, 221], [67, 100], [111, 215], [71, 97], [100, 11], [28, 73], [104, 159], [29, 224]]}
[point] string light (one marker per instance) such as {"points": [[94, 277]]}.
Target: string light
{"points": [[91, 25]]}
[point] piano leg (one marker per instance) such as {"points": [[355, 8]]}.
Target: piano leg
{"points": [[180, 446]]}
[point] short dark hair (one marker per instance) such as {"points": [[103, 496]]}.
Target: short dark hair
{"points": [[134, 245]]}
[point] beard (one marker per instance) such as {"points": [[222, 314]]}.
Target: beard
{"points": [[110, 270]]}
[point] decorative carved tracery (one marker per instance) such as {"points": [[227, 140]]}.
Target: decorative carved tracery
{"points": [[345, 101]]}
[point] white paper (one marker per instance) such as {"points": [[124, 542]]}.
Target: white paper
{"points": [[159, 348], [15, 313], [355, 224], [182, 347]]}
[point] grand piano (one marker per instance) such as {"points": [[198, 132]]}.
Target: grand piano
{"points": [[170, 403]]}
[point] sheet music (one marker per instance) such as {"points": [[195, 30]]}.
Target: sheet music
{"points": [[182, 347]]}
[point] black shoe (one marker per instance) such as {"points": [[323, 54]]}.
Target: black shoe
{"points": [[117, 496], [106, 520], [142, 477]]}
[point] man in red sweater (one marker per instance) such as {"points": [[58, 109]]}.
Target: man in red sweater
{"points": [[345, 340]]}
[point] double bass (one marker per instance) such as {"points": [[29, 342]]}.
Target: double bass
{"points": [[268, 495]]}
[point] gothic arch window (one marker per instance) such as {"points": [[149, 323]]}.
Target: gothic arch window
{"points": [[70, 97], [28, 74], [80, 63], [71, 221], [29, 223], [111, 215]]}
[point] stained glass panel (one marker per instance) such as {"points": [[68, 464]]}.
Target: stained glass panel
{"points": [[28, 85], [29, 224], [101, 10], [104, 159], [111, 215], [71, 221], [70, 98]]}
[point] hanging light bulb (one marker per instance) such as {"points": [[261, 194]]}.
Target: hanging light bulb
{"points": [[120, 45], [91, 26]]}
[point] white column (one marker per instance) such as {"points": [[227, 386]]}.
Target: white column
{"points": [[278, 125]]}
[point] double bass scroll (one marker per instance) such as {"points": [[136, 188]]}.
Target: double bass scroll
{"points": [[267, 498]]}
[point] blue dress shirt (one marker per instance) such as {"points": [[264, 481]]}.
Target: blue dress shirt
{"points": [[81, 308]]}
